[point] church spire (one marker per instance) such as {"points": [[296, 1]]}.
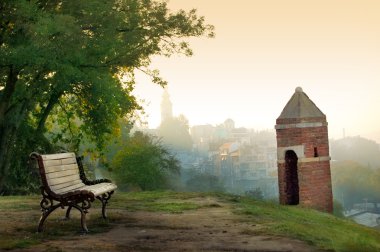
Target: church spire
{"points": [[166, 106]]}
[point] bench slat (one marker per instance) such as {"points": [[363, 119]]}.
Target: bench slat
{"points": [[101, 188], [61, 174], [61, 180], [67, 184], [61, 168], [70, 188], [97, 189], [63, 161], [62, 186], [58, 156]]}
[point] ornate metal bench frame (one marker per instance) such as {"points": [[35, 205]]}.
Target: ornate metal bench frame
{"points": [[78, 199]]}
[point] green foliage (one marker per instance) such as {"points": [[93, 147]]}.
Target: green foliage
{"points": [[353, 183], [23, 178], [67, 70], [144, 162], [117, 141]]}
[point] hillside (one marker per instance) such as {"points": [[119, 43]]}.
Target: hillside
{"points": [[168, 221]]}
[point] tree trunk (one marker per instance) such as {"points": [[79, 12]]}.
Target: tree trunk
{"points": [[6, 144], [12, 116], [52, 101], [8, 124], [9, 89], [8, 139]]}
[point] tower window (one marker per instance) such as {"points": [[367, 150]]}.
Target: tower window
{"points": [[291, 178], [315, 152]]}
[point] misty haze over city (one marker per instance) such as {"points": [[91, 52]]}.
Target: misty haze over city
{"points": [[243, 161], [262, 52], [230, 92]]}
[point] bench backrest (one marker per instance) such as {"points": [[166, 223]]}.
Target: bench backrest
{"points": [[61, 172]]}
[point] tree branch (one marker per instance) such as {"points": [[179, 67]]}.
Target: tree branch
{"points": [[52, 101], [67, 117], [10, 87]]}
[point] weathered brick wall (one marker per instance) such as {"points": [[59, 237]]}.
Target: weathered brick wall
{"points": [[308, 137], [315, 185], [314, 175], [282, 184]]}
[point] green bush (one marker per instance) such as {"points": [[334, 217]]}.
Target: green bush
{"points": [[145, 163]]}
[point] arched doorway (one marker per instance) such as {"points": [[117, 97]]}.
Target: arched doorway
{"points": [[291, 177]]}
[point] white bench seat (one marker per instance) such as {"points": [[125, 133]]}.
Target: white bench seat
{"points": [[64, 181]]}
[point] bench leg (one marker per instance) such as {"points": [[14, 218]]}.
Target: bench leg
{"points": [[83, 213], [104, 199], [68, 212], [45, 213]]}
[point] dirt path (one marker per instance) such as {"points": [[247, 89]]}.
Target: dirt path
{"points": [[206, 229]]}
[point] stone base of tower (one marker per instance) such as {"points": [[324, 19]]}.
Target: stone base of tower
{"points": [[314, 185]]}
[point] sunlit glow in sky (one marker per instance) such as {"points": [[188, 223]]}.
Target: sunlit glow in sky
{"points": [[262, 51]]}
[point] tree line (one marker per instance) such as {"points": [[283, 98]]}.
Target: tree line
{"points": [[67, 72], [355, 170]]}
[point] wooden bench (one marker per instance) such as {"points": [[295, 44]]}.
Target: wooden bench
{"points": [[64, 184]]}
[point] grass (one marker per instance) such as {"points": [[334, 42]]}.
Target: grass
{"points": [[19, 218], [20, 215], [321, 230], [19, 203], [155, 201]]}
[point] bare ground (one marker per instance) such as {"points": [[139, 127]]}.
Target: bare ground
{"points": [[213, 228]]}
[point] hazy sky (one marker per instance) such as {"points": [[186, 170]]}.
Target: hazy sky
{"points": [[263, 50]]}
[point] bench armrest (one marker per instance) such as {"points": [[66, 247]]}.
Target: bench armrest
{"points": [[83, 177]]}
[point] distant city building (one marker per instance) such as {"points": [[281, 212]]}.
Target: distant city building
{"points": [[244, 160], [229, 124], [202, 137], [245, 168], [240, 135], [365, 214]]}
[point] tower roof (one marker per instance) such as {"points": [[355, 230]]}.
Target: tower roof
{"points": [[166, 106], [300, 106]]}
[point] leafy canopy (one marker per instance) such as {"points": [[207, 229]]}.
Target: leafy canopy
{"points": [[76, 60]]}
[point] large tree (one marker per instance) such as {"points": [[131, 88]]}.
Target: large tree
{"points": [[69, 57]]}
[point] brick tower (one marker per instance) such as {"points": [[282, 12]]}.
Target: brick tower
{"points": [[303, 154]]}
